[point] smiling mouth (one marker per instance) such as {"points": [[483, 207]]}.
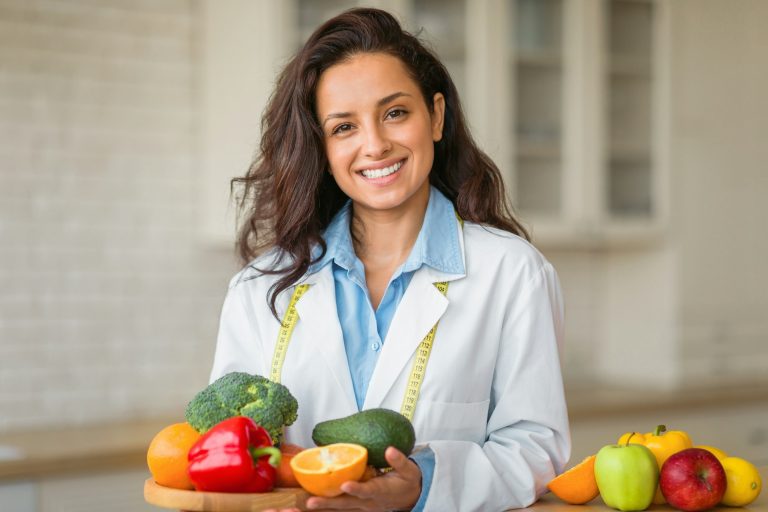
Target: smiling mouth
{"points": [[382, 173]]}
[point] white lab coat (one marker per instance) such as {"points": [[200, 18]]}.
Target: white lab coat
{"points": [[491, 407]]}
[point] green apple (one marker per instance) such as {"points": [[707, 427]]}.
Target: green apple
{"points": [[627, 476]]}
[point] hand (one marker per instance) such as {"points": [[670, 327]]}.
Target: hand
{"points": [[397, 490]]}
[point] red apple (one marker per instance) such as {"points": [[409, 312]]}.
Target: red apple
{"points": [[692, 480]]}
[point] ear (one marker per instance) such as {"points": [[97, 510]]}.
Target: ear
{"points": [[438, 116]]}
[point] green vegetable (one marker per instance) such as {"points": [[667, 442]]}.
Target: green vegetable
{"points": [[268, 403], [376, 429]]}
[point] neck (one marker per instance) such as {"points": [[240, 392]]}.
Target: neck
{"points": [[385, 238]]}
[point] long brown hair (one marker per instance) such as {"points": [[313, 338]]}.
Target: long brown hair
{"points": [[288, 198]]}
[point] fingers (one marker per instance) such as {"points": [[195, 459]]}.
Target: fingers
{"points": [[402, 464], [362, 490], [339, 503], [397, 489]]}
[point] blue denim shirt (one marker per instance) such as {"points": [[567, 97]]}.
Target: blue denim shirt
{"points": [[365, 329]]}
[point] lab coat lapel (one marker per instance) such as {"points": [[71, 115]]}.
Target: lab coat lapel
{"points": [[420, 308], [317, 311]]}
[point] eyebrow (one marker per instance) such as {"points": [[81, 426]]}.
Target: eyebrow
{"points": [[383, 101]]}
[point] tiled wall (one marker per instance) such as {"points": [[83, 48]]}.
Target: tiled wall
{"points": [[108, 299]]}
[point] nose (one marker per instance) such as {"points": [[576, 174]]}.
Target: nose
{"points": [[376, 144]]}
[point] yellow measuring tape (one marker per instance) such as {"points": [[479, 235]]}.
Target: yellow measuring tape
{"points": [[418, 369], [286, 330]]}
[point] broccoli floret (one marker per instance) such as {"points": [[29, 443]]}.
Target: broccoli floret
{"points": [[268, 403]]}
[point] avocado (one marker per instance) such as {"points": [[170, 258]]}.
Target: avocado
{"points": [[376, 429]]}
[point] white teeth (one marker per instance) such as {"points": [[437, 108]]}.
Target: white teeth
{"points": [[380, 173]]}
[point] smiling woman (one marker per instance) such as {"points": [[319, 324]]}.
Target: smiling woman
{"points": [[383, 266], [379, 143]]}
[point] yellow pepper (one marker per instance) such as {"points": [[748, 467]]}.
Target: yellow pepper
{"points": [[663, 443], [632, 438]]}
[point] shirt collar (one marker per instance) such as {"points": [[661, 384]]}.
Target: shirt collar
{"points": [[437, 244], [338, 241]]}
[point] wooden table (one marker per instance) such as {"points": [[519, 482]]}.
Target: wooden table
{"points": [[223, 502]]}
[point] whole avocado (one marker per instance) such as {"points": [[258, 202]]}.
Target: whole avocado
{"points": [[376, 429]]}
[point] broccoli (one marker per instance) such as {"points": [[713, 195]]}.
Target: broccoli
{"points": [[268, 403]]}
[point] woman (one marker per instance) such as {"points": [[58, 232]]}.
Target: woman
{"points": [[372, 218]]}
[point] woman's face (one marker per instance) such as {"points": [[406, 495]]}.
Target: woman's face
{"points": [[379, 134]]}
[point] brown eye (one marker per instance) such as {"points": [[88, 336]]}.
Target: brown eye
{"points": [[342, 128], [395, 113]]}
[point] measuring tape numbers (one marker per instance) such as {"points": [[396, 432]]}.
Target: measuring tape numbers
{"points": [[284, 336], [419, 368]]}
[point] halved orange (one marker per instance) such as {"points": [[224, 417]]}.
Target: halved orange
{"points": [[322, 470], [577, 485]]}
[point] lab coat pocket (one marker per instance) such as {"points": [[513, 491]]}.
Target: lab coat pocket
{"points": [[461, 421]]}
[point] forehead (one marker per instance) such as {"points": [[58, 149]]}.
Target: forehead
{"points": [[361, 81]]}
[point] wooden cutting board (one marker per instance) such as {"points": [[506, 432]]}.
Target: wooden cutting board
{"points": [[195, 501]]}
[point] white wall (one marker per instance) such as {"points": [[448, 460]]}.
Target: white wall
{"points": [[690, 308], [108, 304], [720, 159]]}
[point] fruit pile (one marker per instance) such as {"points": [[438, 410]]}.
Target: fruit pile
{"points": [[659, 467], [231, 442]]}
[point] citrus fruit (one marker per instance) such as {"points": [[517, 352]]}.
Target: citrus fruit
{"points": [[322, 470], [744, 483], [577, 485], [167, 455], [285, 476], [717, 452]]}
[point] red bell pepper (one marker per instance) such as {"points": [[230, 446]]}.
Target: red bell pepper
{"points": [[235, 455]]}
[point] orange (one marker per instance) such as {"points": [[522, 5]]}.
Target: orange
{"points": [[285, 476], [167, 455], [322, 470], [577, 485]]}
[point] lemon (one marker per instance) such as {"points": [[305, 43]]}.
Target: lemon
{"points": [[744, 482], [717, 452]]}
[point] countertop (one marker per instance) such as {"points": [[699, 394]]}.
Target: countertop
{"points": [[549, 503], [93, 448], [190, 500], [595, 401]]}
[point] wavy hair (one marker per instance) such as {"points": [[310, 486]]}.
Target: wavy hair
{"points": [[287, 197]]}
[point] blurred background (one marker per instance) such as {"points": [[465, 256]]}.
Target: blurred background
{"points": [[632, 135]]}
